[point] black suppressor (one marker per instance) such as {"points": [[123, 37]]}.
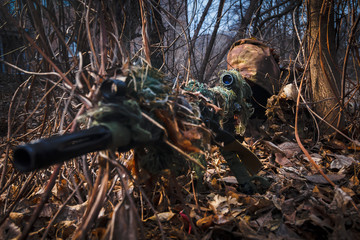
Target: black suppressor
{"points": [[46, 152]]}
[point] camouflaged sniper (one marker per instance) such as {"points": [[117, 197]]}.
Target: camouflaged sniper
{"points": [[188, 110], [180, 124]]}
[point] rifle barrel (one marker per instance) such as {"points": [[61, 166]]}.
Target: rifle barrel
{"points": [[46, 152]]}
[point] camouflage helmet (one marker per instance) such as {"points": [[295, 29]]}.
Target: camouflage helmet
{"points": [[256, 63]]}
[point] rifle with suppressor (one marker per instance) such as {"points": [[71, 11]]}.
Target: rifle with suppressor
{"points": [[111, 131]]}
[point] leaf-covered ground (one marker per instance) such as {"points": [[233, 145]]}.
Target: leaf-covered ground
{"points": [[300, 203]]}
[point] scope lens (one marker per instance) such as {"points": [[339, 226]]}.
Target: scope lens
{"points": [[227, 79]]}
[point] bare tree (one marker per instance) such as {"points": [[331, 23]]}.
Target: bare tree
{"points": [[209, 47], [324, 72]]}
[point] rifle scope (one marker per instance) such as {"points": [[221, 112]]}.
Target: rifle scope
{"points": [[46, 152], [227, 79]]}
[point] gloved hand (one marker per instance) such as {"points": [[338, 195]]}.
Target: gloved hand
{"points": [[221, 135]]}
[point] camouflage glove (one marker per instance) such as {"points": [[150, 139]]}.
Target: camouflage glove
{"points": [[247, 184]]}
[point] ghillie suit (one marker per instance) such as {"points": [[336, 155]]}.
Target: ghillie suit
{"points": [[164, 124], [184, 123]]}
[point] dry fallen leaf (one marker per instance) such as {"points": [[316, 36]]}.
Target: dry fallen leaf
{"points": [[221, 205], [17, 218], [341, 198], [282, 159], [229, 180], [354, 180], [8, 230], [317, 178], [290, 149], [65, 229], [205, 222], [164, 216], [222, 219], [315, 156], [341, 161]]}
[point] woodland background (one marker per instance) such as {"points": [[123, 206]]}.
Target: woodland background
{"points": [[54, 53]]}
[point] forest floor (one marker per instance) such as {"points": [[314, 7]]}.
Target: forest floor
{"points": [[300, 203]]}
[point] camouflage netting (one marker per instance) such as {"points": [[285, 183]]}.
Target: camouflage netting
{"points": [[280, 116], [230, 104]]}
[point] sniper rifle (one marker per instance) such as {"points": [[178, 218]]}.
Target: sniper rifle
{"points": [[118, 121]]}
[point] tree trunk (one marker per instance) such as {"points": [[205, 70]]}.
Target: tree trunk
{"points": [[324, 76], [155, 31]]}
